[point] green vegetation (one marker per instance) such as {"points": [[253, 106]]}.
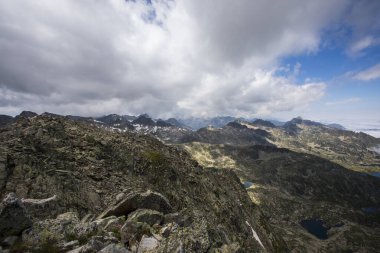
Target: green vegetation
{"points": [[155, 157]]}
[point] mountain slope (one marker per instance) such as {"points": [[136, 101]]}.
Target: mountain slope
{"points": [[88, 168], [293, 188], [350, 149]]}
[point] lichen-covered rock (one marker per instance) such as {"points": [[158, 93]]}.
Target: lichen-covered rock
{"points": [[132, 232], [13, 216], [70, 245], [114, 248], [86, 167], [177, 218], [146, 200], [148, 216]]}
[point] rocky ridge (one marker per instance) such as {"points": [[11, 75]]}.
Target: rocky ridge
{"points": [[87, 189]]}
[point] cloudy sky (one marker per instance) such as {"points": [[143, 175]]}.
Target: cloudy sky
{"points": [[250, 58]]}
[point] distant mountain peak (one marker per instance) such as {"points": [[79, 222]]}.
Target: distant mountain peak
{"points": [[265, 123], [175, 122], [163, 123], [144, 119], [236, 124], [26, 114]]}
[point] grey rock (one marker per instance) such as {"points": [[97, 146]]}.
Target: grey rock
{"points": [[88, 217], [148, 216], [13, 216], [147, 244], [120, 196], [132, 232], [133, 201], [114, 248], [178, 218], [165, 231], [114, 224], [77, 250], [70, 245], [32, 202], [91, 247]]}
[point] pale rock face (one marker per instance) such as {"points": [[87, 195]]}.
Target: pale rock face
{"points": [[114, 248], [147, 244]]}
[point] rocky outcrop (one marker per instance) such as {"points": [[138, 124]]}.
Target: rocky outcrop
{"points": [[13, 216], [148, 200], [138, 188]]}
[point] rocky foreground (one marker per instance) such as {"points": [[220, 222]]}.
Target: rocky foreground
{"points": [[71, 187]]}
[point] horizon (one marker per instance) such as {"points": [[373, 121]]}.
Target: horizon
{"points": [[371, 128], [178, 58]]}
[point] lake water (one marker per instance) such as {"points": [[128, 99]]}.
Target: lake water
{"points": [[371, 210], [247, 184], [375, 174], [316, 227]]}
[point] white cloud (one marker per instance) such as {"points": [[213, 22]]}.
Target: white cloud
{"points": [[368, 74], [356, 49], [169, 58]]}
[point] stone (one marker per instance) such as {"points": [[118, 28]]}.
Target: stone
{"points": [[114, 224], [114, 248], [132, 232], [120, 196], [183, 221], [92, 246], [133, 201], [165, 231], [104, 221], [88, 217], [70, 245], [32, 202], [147, 244], [148, 216], [68, 218], [77, 250], [37, 207], [13, 216]]}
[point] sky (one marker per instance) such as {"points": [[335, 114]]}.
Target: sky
{"points": [[248, 58]]}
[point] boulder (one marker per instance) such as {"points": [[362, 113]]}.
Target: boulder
{"points": [[148, 216], [92, 246], [147, 200], [13, 216], [147, 244], [114, 224], [132, 232], [183, 221]]}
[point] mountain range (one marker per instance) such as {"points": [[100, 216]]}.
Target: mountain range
{"points": [[134, 183]]}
